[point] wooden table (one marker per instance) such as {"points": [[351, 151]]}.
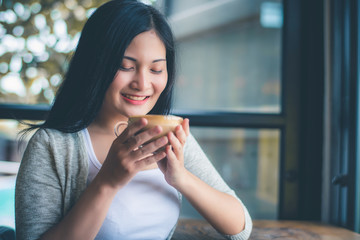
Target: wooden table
{"points": [[266, 230]]}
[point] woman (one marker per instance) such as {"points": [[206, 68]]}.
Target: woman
{"points": [[77, 180]]}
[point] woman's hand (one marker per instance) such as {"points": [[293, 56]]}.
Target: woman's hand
{"points": [[128, 155], [173, 165]]}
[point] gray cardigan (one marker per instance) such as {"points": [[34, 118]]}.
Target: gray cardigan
{"points": [[53, 174]]}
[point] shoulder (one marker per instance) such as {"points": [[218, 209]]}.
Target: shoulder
{"points": [[55, 144], [54, 137], [56, 151], [53, 134]]}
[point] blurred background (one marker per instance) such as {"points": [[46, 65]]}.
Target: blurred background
{"points": [[260, 81]]}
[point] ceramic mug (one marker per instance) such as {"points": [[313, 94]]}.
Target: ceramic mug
{"points": [[168, 123]]}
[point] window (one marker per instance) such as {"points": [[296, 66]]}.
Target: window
{"points": [[260, 88], [229, 58]]}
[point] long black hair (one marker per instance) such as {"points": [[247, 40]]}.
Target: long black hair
{"points": [[97, 58]]}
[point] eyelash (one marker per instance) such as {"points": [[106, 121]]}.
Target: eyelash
{"points": [[126, 69], [131, 68], [157, 72]]}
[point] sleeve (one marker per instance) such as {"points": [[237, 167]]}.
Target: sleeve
{"points": [[197, 162], [38, 195]]}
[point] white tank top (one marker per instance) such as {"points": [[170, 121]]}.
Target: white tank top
{"points": [[146, 208]]}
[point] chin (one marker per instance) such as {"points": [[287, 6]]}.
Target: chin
{"points": [[136, 113]]}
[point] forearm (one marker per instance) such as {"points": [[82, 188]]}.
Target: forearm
{"points": [[223, 211], [86, 217]]}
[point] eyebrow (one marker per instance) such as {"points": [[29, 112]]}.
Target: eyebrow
{"points": [[134, 60]]}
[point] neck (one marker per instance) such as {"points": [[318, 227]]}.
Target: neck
{"points": [[104, 124]]}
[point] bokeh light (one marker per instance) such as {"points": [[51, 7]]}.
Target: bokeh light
{"points": [[37, 38]]}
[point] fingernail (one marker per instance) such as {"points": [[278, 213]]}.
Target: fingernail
{"points": [[159, 129], [164, 140], [143, 121]]}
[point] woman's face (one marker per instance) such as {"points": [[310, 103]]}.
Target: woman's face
{"points": [[141, 78]]}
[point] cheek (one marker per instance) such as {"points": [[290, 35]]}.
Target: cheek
{"points": [[162, 83], [118, 80]]}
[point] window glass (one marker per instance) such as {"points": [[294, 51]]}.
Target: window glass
{"points": [[248, 160], [7, 196], [11, 150], [11, 144], [229, 55]]}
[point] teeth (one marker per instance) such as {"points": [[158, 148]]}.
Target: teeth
{"points": [[135, 97]]}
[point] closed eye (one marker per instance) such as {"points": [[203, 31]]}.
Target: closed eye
{"points": [[126, 69], [156, 72]]}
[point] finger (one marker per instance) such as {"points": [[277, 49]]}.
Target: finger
{"points": [[150, 148], [177, 147], [180, 134], [137, 141], [143, 163], [148, 134], [170, 155], [186, 126], [132, 129]]}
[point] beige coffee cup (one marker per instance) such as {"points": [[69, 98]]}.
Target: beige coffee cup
{"points": [[168, 123]]}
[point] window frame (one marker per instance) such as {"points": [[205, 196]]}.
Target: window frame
{"points": [[343, 207]]}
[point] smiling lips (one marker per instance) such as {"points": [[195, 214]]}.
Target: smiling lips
{"points": [[135, 99]]}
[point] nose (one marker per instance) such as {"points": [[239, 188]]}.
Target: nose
{"points": [[140, 81]]}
